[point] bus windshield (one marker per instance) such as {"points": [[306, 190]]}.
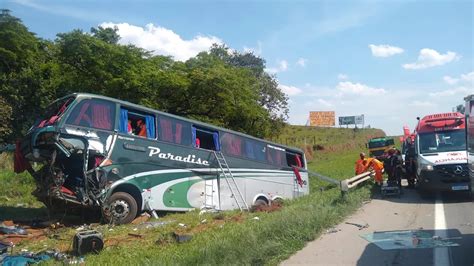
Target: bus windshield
{"points": [[443, 141], [54, 111]]}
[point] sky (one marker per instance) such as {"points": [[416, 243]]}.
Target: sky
{"points": [[389, 60]]}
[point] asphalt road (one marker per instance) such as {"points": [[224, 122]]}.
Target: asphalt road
{"points": [[447, 217]]}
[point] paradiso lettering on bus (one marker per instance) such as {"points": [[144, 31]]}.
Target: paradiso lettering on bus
{"points": [[155, 151]]}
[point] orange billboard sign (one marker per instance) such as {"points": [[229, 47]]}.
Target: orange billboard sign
{"points": [[322, 118]]}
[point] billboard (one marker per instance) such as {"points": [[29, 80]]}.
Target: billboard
{"points": [[351, 120], [322, 118]]}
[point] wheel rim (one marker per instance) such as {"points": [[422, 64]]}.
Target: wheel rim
{"points": [[119, 209]]}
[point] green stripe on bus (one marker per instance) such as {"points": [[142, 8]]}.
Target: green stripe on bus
{"points": [[177, 194]]}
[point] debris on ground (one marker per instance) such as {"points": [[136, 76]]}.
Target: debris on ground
{"points": [[332, 230], [12, 230], [182, 225], [4, 247], [181, 238], [24, 259], [256, 218], [135, 235], [360, 226], [154, 224], [141, 219], [89, 241]]}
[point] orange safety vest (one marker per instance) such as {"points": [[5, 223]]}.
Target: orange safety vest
{"points": [[360, 166], [377, 166]]}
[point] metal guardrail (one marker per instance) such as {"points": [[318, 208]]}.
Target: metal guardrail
{"points": [[352, 182], [345, 184]]}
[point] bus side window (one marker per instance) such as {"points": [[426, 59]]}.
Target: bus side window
{"points": [[231, 144], [174, 131], [294, 159], [205, 139], [93, 113], [276, 156], [137, 123]]}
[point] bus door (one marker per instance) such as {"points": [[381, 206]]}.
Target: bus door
{"points": [[208, 139]]}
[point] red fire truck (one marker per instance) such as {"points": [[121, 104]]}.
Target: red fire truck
{"points": [[441, 156]]}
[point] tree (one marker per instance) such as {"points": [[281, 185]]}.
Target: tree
{"points": [[223, 87], [460, 108], [269, 94], [108, 35], [5, 120], [21, 72]]}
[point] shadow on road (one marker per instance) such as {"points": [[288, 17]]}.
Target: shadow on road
{"points": [[412, 195], [459, 255]]}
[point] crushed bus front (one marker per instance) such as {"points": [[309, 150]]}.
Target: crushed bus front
{"points": [[66, 157]]}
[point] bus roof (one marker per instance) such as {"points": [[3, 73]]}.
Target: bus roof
{"points": [[146, 109], [442, 121]]}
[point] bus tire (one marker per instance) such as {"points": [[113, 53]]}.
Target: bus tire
{"points": [[122, 208], [261, 203]]}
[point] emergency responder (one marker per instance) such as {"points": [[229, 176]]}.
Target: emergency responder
{"points": [[360, 165], [410, 166], [392, 165], [378, 168]]}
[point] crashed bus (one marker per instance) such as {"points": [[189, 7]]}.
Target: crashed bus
{"points": [[440, 150], [125, 159]]}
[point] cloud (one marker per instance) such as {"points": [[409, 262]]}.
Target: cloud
{"points": [[342, 76], [469, 77], [302, 62], [450, 80], [463, 78], [358, 89], [417, 103], [430, 58], [325, 103], [384, 50], [282, 67], [461, 91], [162, 41], [290, 90], [255, 50]]}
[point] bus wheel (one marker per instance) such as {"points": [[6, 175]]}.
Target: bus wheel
{"points": [[122, 208], [259, 205]]}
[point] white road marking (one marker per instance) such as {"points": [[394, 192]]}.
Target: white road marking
{"points": [[440, 255]]}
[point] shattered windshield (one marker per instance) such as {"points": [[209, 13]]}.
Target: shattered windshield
{"points": [[55, 109]]}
